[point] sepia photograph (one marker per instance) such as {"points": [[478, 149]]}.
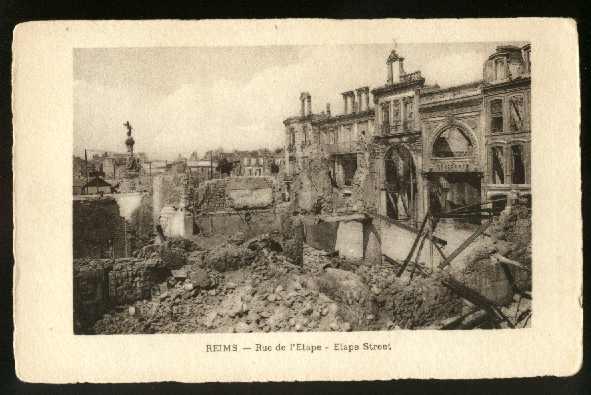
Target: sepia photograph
{"points": [[296, 200], [302, 188]]}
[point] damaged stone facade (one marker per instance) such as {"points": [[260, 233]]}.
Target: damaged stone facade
{"points": [[416, 146]]}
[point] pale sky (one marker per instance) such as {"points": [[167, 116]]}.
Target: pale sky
{"points": [[179, 100]]}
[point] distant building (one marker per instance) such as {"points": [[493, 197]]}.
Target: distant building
{"points": [[96, 186], [77, 184], [203, 169], [258, 162]]}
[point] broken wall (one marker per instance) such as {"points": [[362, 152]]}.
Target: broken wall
{"points": [[249, 192], [251, 223], [141, 221], [174, 190], [98, 229], [313, 189], [100, 284], [210, 196]]}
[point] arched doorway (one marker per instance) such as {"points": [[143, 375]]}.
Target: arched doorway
{"points": [[453, 181], [400, 184]]}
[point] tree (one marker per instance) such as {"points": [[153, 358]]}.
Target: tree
{"points": [[225, 166]]}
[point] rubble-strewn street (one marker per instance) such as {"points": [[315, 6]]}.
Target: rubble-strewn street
{"points": [[249, 285], [408, 210]]}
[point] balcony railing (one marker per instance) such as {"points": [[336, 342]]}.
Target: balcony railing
{"points": [[409, 125], [406, 126], [415, 76]]}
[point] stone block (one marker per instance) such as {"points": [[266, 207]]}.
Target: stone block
{"points": [[349, 240]]}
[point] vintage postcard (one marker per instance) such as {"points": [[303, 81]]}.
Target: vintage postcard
{"points": [[297, 200]]}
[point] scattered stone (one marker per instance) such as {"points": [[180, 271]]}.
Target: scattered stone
{"points": [[265, 314], [200, 278], [230, 285], [179, 274], [131, 310], [242, 327], [210, 318], [307, 308]]}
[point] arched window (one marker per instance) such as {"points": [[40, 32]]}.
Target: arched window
{"points": [[452, 143]]}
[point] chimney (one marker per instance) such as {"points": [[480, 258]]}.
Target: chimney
{"points": [[345, 102], [303, 104], [308, 104], [390, 79], [328, 109], [359, 99]]}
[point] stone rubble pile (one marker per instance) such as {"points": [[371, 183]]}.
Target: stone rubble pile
{"points": [[269, 293], [263, 284]]}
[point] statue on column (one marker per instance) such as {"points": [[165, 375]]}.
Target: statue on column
{"points": [[132, 163]]}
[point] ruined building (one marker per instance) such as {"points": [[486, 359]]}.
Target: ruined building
{"points": [[414, 147]]}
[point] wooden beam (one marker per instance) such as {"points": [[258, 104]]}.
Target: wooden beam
{"points": [[414, 245], [465, 244]]}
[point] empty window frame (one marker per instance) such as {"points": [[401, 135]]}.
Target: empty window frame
{"points": [[499, 69], [386, 114], [349, 163], [496, 115], [516, 113], [408, 110], [497, 165], [517, 164], [452, 142], [408, 114], [396, 112]]}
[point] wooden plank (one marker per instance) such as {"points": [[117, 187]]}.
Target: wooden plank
{"points": [[414, 245], [511, 262], [465, 244]]}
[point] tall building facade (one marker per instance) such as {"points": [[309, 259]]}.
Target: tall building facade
{"points": [[429, 148]]}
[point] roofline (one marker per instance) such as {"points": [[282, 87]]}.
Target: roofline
{"points": [[451, 88]]}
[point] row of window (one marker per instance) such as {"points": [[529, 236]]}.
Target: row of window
{"points": [[394, 108], [253, 161], [515, 110], [508, 164], [345, 134]]}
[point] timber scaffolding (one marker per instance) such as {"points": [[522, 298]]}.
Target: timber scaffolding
{"points": [[484, 310]]}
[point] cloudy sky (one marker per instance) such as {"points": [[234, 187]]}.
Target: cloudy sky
{"points": [[181, 100]]}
